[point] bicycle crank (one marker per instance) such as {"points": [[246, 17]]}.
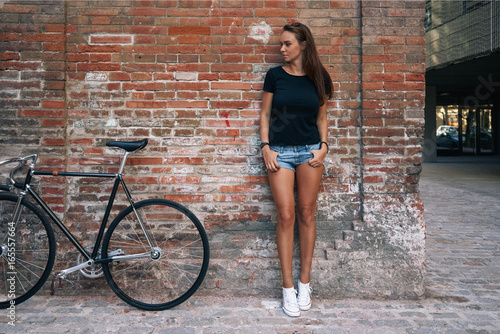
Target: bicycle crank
{"points": [[92, 271]]}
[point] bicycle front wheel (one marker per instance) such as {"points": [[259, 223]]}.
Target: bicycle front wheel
{"points": [[27, 251], [164, 274]]}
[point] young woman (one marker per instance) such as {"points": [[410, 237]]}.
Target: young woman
{"points": [[293, 133]]}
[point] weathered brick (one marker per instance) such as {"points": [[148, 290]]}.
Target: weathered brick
{"points": [[111, 39], [147, 11]]}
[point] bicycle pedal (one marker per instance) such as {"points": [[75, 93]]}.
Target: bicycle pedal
{"points": [[53, 289]]}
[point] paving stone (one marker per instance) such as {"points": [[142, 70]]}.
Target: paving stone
{"points": [[392, 323], [54, 301], [412, 314], [68, 310], [444, 315], [424, 331], [334, 331], [187, 330], [74, 320], [17, 328], [136, 329], [95, 303]]}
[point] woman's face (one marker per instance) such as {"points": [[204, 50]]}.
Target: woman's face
{"points": [[291, 49]]}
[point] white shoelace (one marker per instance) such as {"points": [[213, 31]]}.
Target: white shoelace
{"points": [[304, 296]]}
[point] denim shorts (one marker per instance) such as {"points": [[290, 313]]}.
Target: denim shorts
{"points": [[292, 156]]}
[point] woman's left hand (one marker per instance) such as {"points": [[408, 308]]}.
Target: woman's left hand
{"points": [[318, 157]]}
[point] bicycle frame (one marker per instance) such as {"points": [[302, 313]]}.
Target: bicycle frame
{"points": [[60, 224], [92, 258]]}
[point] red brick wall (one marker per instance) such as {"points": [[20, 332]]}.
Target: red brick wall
{"points": [[188, 75]]}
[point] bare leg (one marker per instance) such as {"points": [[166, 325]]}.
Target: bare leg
{"points": [[282, 183], [308, 181]]}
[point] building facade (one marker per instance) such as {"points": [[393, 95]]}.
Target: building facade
{"points": [[188, 75], [462, 44]]}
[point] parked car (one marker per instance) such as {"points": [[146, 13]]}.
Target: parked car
{"points": [[447, 137], [453, 130]]}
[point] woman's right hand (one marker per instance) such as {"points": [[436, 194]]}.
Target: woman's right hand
{"points": [[270, 159]]}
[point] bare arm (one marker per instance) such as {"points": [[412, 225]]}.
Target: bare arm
{"points": [[265, 121], [265, 116], [322, 123]]}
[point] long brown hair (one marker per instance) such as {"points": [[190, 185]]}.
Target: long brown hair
{"points": [[311, 62]]}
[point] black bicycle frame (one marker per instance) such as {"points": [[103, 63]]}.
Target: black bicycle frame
{"points": [[118, 180]]}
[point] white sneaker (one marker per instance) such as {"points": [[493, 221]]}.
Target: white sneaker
{"points": [[304, 298], [290, 306]]}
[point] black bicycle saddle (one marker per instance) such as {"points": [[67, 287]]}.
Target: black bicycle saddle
{"points": [[129, 146]]}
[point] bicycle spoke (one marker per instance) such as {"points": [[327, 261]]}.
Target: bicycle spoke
{"points": [[138, 238], [185, 276], [166, 279], [192, 243], [184, 263], [22, 263], [117, 273], [25, 279]]}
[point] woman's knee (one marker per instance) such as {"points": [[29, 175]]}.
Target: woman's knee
{"points": [[305, 215], [286, 218]]}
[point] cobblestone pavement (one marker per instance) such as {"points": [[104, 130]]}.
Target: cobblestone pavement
{"points": [[462, 205]]}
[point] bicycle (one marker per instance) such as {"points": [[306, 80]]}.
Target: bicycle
{"points": [[154, 254]]}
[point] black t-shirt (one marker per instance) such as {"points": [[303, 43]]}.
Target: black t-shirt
{"points": [[294, 108]]}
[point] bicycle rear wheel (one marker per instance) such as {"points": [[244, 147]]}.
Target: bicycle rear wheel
{"points": [[27, 251], [173, 272]]}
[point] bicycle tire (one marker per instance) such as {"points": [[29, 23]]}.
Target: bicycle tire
{"points": [[33, 246], [156, 284]]}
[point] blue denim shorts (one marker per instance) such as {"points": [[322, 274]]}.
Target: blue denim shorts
{"points": [[292, 156]]}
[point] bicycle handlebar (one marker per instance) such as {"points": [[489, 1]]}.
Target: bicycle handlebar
{"points": [[21, 161]]}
